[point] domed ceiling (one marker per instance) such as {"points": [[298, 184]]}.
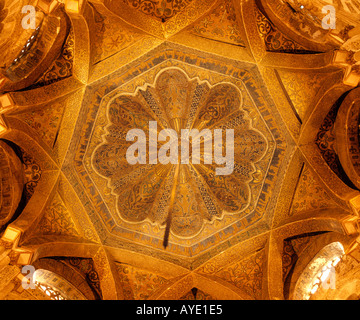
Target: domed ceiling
{"points": [[208, 207], [115, 66]]}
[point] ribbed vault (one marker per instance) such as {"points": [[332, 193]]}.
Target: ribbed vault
{"points": [[91, 71]]}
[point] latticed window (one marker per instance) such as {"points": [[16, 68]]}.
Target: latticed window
{"points": [[49, 291], [55, 286], [324, 277], [320, 272]]}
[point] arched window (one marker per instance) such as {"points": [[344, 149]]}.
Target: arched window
{"points": [[55, 286], [319, 272], [50, 291]]}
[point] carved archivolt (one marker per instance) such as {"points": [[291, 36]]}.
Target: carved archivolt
{"points": [[28, 52], [11, 182], [347, 136]]}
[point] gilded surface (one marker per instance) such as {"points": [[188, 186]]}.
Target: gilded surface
{"points": [[86, 213], [176, 102], [252, 163]]}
